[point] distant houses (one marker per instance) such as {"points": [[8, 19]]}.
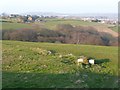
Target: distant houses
{"points": [[34, 18], [99, 20], [20, 18], [27, 18]]}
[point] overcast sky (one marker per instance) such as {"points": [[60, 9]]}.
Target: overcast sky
{"points": [[59, 6]]}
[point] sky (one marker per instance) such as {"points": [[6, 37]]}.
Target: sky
{"points": [[59, 6]]}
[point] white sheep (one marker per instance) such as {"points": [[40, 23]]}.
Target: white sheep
{"points": [[80, 60], [92, 61]]}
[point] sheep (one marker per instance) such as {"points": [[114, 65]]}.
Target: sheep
{"points": [[92, 61], [80, 60]]}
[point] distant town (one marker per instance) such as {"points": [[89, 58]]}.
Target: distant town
{"points": [[41, 18]]}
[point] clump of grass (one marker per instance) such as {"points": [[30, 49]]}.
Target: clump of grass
{"points": [[68, 59]]}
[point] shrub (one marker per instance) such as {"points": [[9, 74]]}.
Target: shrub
{"points": [[20, 35], [68, 59]]}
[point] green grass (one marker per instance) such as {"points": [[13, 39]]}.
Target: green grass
{"points": [[52, 23], [24, 66], [12, 26]]}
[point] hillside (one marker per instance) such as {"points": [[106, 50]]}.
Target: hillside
{"points": [[61, 30], [52, 24], [25, 66]]}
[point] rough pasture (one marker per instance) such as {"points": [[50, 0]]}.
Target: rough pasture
{"points": [[25, 66]]}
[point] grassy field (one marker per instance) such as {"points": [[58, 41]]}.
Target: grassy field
{"points": [[12, 26], [24, 65], [52, 23]]}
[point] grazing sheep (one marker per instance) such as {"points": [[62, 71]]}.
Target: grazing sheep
{"points": [[80, 60], [92, 61]]}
